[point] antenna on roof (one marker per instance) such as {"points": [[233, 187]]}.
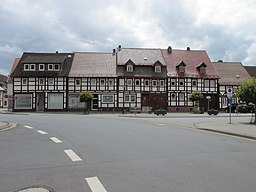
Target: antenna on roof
{"points": [[169, 50], [188, 48], [119, 47]]}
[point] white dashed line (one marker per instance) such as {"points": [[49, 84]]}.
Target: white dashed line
{"points": [[161, 124], [72, 155], [56, 140], [26, 126], [95, 184], [42, 132]]}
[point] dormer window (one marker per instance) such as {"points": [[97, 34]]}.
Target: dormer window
{"points": [[129, 68], [26, 67], [158, 69], [56, 67], [202, 68], [50, 67], [41, 67], [181, 67], [32, 67]]}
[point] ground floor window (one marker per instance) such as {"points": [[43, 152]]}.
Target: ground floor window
{"points": [[107, 98], [55, 101], [74, 102], [130, 98], [23, 101]]}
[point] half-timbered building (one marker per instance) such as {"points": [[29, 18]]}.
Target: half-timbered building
{"points": [[142, 79], [188, 71], [40, 81], [231, 74], [96, 73]]}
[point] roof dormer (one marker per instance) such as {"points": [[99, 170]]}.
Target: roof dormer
{"points": [[129, 65], [181, 67], [201, 68]]}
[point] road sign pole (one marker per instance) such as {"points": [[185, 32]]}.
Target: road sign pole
{"points": [[230, 102]]}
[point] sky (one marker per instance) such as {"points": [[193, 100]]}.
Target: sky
{"points": [[226, 29]]}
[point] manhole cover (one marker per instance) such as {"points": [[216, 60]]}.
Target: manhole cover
{"points": [[36, 189]]}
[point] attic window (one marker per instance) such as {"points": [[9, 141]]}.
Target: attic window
{"points": [[56, 67], [26, 67], [50, 67], [41, 67], [32, 67], [129, 68], [181, 68], [158, 69], [202, 69]]}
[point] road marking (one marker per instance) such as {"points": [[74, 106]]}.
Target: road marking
{"points": [[42, 132], [161, 124], [95, 184], [72, 155], [56, 140], [26, 126]]}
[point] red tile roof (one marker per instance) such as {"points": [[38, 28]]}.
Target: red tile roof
{"points": [[192, 59], [89, 64], [14, 65], [231, 73]]}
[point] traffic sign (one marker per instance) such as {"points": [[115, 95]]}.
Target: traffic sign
{"points": [[229, 92]]}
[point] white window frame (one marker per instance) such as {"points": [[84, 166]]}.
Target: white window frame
{"points": [[129, 82], [146, 82], [194, 83], [154, 83], [26, 67], [51, 81], [181, 82], [129, 68], [130, 98], [107, 98], [137, 82], [158, 69], [110, 82], [162, 83], [41, 81], [32, 67], [93, 81], [78, 82], [23, 95], [102, 82], [50, 68], [56, 67], [24, 81], [41, 65]]}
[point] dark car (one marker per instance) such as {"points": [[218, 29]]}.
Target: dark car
{"points": [[242, 108]]}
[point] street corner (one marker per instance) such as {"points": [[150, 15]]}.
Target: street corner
{"points": [[6, 125]]}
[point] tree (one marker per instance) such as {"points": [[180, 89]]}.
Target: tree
{"points": [[195, 97], [246, 91], [86, 97]]}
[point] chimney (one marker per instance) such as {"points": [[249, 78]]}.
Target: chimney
{"points": [[114, 51], [220, 61], [169, 50], [188, 48], [57, 51], [119, 47]]}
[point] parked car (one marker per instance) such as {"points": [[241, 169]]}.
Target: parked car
{"points": [[242, 108]]}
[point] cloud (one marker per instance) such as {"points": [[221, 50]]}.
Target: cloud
{"points": [[224, 28]]}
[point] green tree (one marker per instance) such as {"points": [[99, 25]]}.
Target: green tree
{"points": [[86, 97], [246, 91], [195, 97]]}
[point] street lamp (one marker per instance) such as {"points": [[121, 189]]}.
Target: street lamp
{"points": [[208, 102]]}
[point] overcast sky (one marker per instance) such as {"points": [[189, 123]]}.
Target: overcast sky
{"points": [[226, 29]]}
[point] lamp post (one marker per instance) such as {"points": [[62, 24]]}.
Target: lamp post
{"points": [[208, 102]]}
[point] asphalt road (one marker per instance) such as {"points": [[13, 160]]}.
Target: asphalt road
{"points": [[81, 153]]}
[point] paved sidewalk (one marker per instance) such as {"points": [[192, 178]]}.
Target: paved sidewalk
{"points": [[4, 125]]}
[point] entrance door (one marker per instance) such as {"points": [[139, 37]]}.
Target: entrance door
{"points": [[40, 102], [145, 99], [158, 101]]}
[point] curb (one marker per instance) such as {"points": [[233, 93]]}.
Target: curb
{"points": [[7, 126], [228, 133]]}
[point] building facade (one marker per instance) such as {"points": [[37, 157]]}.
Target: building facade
{"points": [[231, 74], [188, 71], [40, 81]]}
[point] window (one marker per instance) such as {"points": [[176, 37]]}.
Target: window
{"points": [[154, 82], [173, 82], [23, 101], [181, 68], [56, 67], [194, 83], [161, 83], [93, 81], [206, 83], [78, 82], [181, 82], [107, 98], [130, 98], [173, 96], [41, 67], [50, 67], [102, 82], [212, 83], [202, 69], [181, 96], [158, 69], [32, 67], [24, 81], [50, 81], [55, 101], [121, 82], [129, 68], [129, 82], [137, 82], [146, 82], [26, 67], [41, 81], [74, 102], [110, 82]]}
